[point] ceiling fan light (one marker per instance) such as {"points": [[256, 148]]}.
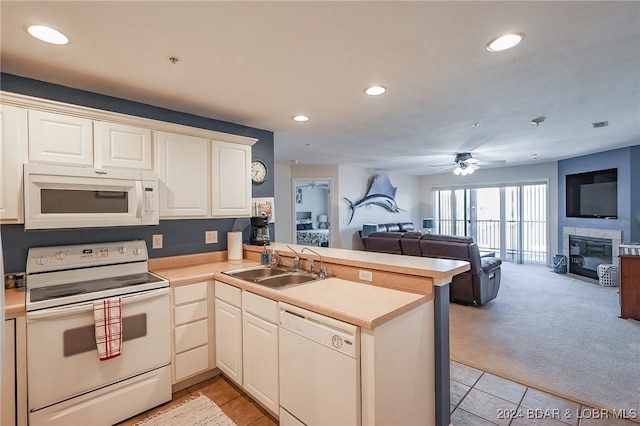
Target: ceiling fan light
{"points": [[505, 42], [47, 34], [470, 170], [457, 171]]}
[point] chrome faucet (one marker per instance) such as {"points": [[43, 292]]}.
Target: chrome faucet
{"points": [[296, 260], [323, 269]]}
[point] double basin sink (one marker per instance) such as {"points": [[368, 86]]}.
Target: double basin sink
{"points": [[275, 277]]}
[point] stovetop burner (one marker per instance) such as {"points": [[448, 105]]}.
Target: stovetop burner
{"points": [[94, 286]]}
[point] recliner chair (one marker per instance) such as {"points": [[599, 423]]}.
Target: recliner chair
{"points": [[478, 285]]}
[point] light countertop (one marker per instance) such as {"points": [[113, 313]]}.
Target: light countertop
{"points": [[360, 304], [14, 302]]}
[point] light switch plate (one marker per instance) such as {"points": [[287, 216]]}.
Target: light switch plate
{"points": [[157, 241], [210, 237]]}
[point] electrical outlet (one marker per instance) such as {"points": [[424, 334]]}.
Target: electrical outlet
{"points": [[210, 237], [365, 275], [157, 241]]}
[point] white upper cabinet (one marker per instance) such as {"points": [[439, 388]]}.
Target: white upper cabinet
{"points": [[184, 175], [60, 139], [122, 146], [230, 179], [13, 138], [203, 173]]}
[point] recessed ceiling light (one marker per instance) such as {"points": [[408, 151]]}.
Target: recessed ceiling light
{"points": [[375, 90], [504, 42], [534, 156], [47, 34], [300, 118]]}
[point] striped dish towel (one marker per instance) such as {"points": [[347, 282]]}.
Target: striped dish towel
{"points": [[108, 321]]}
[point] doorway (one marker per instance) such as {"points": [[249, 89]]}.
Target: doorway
{"points": [[312, 212]]}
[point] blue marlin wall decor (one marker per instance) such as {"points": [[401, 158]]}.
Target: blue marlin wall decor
{"points": [[380, 193]]}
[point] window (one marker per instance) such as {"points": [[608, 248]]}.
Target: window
{"points": [[509, 220]]}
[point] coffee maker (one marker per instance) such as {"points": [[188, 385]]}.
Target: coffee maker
{"points": [[260, 231]]}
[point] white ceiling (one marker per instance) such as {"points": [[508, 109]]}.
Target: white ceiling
{"points": [[260, 63]]}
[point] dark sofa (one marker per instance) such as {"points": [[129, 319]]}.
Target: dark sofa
{"points": [[477, 286]]}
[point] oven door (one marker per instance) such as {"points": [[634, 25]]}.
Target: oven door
{"points": [[72, 197], [62, 357]]}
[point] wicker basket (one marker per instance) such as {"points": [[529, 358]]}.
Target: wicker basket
{"points": [[608, 275], [560, 264]]}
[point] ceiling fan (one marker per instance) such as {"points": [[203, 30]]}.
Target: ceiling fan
{"points": [[464, 163]]}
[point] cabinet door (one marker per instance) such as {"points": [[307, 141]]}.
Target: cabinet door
{"points": [[230, 179], [228, 327], [60, 139], [122, 146], [9, 375], [260, 360], [184, 176], [13, 134]]}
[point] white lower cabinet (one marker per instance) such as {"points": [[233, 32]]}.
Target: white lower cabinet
{"points": [[193, 342], [9, 374], [247, 342], [260, 349], [13, 408], [228, 319]]}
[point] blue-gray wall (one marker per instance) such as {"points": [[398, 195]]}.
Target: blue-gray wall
{"points": [[626, 161], [181, 236]]}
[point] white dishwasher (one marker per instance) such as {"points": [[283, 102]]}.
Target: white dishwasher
{"points": [[319, 369]]}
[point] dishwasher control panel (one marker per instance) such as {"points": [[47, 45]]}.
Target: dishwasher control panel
{"points": [[334, 334]]}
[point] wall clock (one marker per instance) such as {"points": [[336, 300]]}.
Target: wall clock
{"points": [[258, 171]]}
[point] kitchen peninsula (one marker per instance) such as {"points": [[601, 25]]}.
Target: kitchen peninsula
{"points": [[400, 303]]}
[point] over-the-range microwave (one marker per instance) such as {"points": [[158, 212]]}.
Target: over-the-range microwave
{"points": [[81, 197]]}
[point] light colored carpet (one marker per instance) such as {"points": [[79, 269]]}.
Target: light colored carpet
{"points": [[195, 411], [555, 333]]}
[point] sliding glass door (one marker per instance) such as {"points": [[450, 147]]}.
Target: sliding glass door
{"points": [[507, 221]]}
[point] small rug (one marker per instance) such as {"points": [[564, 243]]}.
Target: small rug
{"points": [[195, 411]]}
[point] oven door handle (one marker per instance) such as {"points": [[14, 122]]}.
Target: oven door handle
{"points": [[87, 307]]}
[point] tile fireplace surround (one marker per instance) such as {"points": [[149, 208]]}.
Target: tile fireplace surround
{"points": [[614, 236]]}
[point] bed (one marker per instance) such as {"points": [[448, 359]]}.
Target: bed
{"points": [[306, 234]]}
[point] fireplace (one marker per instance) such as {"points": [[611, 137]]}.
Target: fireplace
{"points": [[586, 248]]}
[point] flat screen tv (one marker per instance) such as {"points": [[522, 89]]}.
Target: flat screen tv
{"points": [[593, 194]]}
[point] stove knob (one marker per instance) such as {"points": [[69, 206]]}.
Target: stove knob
{"points": [[137, 251], [61, 255], [123, 250], [41, 260]]}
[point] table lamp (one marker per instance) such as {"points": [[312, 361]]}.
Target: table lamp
{"points": [[428, 225]]}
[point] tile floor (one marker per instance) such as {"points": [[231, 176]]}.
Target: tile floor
{"points": [[477, 399]]}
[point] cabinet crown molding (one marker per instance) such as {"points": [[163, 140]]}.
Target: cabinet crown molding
{"points": [[30, 102]]}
